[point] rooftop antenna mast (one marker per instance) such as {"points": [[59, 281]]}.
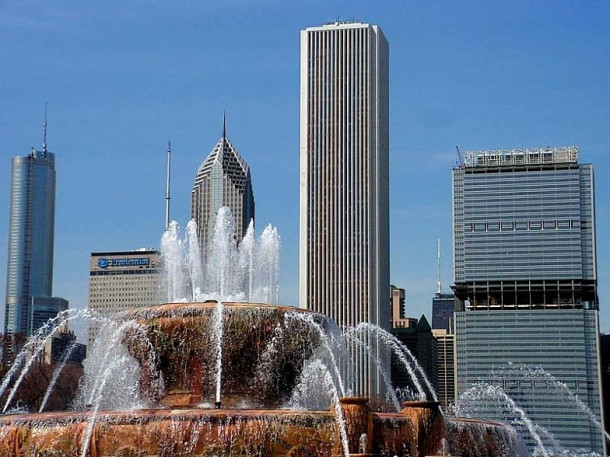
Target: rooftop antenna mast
{"points": [[438, 282], [167, 196], [44, 137], [224, 125]]}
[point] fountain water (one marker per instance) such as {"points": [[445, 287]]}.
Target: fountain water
{"points": [[537, 374], [506, 396], [154, 375], [480, 392], [153, 370], [247, 272]]}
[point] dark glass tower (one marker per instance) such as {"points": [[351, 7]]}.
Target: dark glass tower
{"points": [[442, 310], [29, 285]]}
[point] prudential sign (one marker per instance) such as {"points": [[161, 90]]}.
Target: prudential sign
{"points": [[106, 263]]}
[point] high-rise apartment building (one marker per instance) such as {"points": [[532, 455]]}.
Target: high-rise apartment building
{"points": [[344, 208], [223, 179], [526, 286], [121, 280], [399, 310], [29, 284]]}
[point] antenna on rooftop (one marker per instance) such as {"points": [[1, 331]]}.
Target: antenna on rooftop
{"points": [[224, 125], [438, 282], [167, 197], [44, 137]]}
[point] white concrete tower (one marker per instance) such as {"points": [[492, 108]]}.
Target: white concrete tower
{"points": [[344, 183]]}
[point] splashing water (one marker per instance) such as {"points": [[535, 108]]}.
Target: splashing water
{"points": [[407, 359], [33, 345], [218, 336], [315, 374], [244, 272], [328, 347], [379, 365], [537, 373], [477, 393], [64, 360]]}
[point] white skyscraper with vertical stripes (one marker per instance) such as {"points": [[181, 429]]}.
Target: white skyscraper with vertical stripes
{"points": [[344, 183]]}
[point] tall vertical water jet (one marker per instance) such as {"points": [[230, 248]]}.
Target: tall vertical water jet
{"points": [[225, 270], [195, 261], [172, 252], [247, 259], [268, 262], [222, 278]]}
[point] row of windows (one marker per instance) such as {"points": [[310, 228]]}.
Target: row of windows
{"points": [[566, 224]]}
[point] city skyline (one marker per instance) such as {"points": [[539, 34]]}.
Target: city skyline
{"points": [[120, 85]]}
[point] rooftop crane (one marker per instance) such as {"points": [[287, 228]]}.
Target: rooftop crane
{"points": [[460, 160]]}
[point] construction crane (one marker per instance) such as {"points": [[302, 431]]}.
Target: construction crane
{"points": [[460, 160]]}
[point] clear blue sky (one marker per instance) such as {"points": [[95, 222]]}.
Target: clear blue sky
{"points": [[121, 78]]}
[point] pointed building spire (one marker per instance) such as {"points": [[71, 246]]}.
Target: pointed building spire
{"points": [[44, 137], [224, 124]]}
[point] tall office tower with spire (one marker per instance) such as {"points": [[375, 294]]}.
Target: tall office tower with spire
{"points": [[526, 285], [344, 188], [223, 179], [29, 284]]}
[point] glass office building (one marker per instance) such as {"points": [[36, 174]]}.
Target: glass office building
{"points": [[526, 284], [29, 285]]}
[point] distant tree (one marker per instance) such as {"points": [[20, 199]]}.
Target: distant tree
{"points": [[35, 384], [10, 346], [32, 389]]}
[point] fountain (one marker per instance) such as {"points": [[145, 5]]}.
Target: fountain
{"points": [[198, 376]]}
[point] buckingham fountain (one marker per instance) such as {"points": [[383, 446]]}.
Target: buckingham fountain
{"points": [[221, 369]]}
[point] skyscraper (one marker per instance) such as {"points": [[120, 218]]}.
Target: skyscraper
{"points": [[29, 284], [223, 179], [526, 285], [442, 310], [344, 215]]}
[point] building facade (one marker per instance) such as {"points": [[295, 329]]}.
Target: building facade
{"points": [[445, 366], [399, 311], [418, 338], [443, 306], [29, 285], [122, 280], [526, 285], [344, 202], [223, 179]]}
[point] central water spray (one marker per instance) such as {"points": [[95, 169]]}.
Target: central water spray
{"points": [[226, 270]]}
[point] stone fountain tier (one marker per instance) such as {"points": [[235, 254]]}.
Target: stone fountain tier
{"points": [[477, 438], [263, 350], [272, 433]]}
